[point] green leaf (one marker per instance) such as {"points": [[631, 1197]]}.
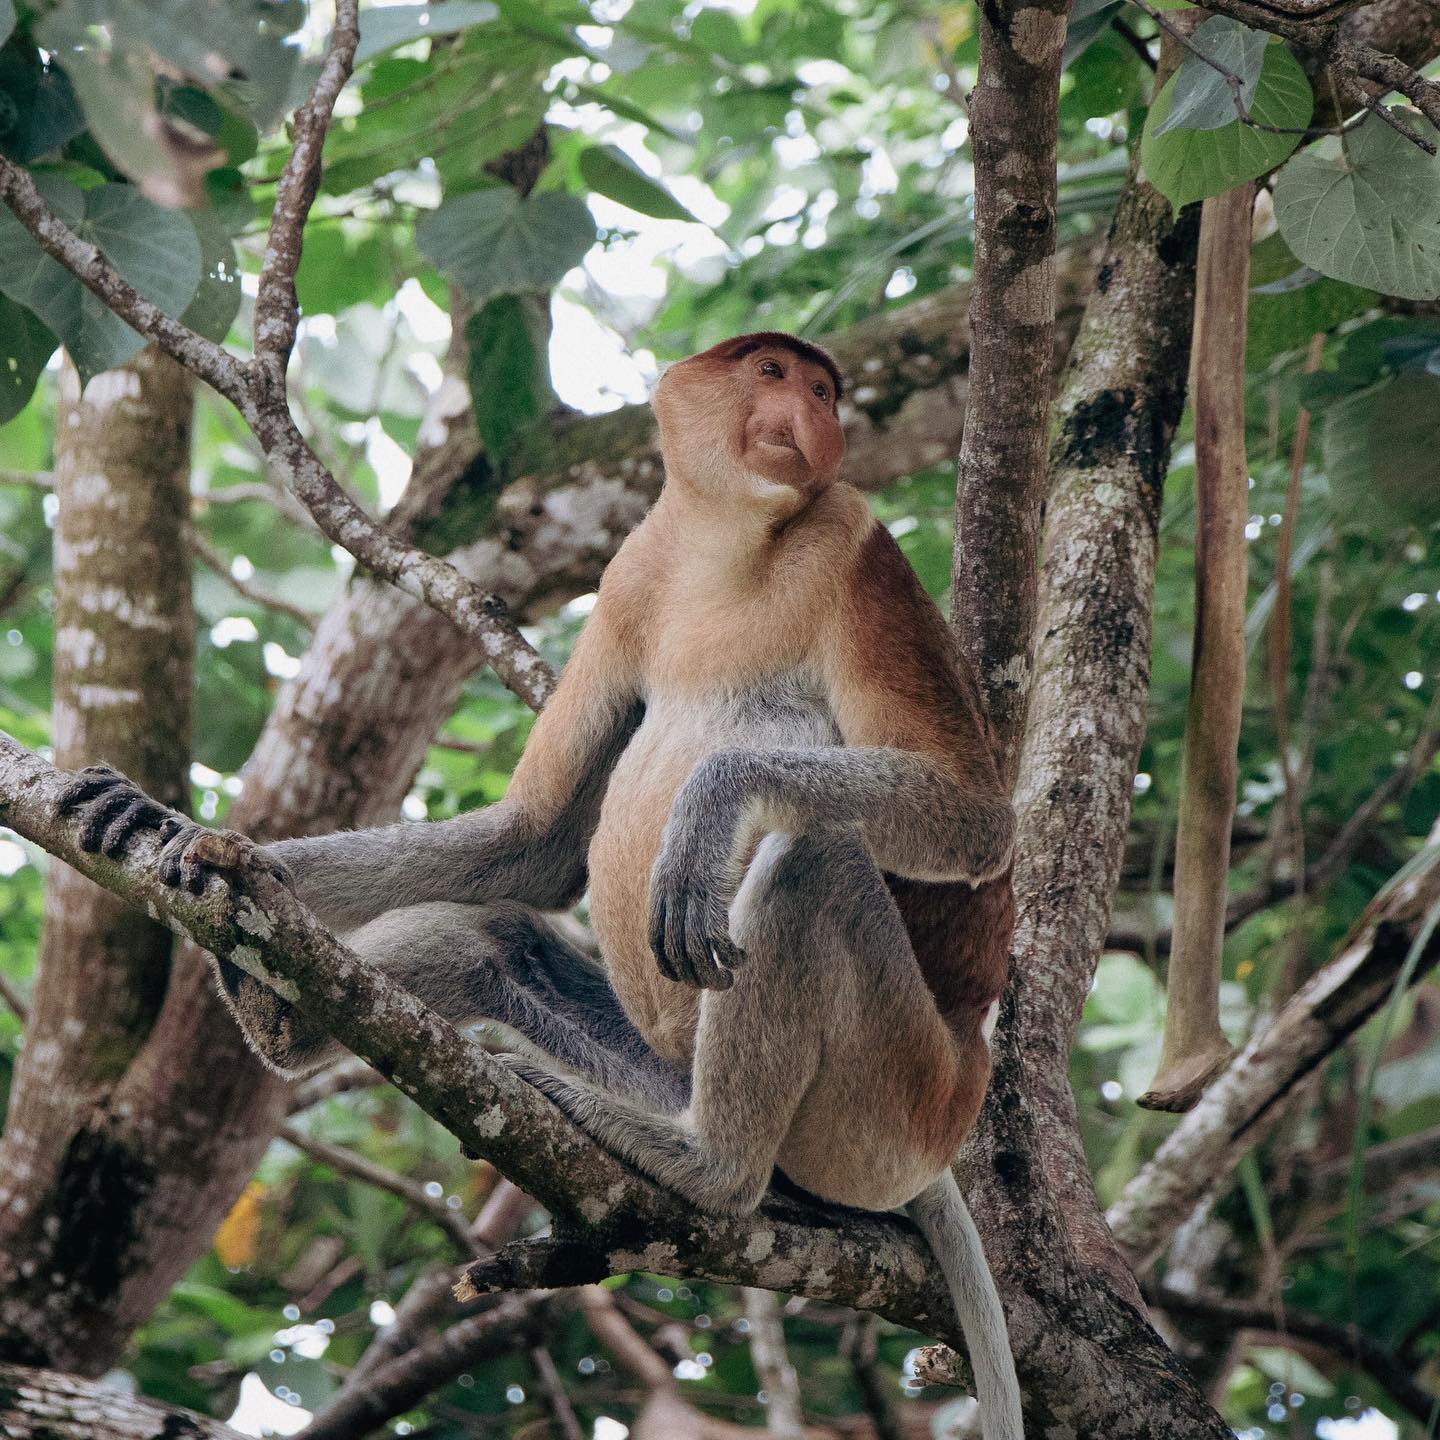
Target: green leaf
{"points": [[1289, 302], [1379, 446], [1186, 165], [509, 370], [492, 242], [610, 171], [217, 300], [391, 25], [1201, 98], [155, 249], [25, 349], [234, 47], [1367, 212]]}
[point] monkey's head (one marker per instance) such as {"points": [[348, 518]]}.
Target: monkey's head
{"points": [[756, 416]]}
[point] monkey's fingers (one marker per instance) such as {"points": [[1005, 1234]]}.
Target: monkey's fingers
{"points": [[709, 948], [657, 939], [93, 780], [139, 813]]}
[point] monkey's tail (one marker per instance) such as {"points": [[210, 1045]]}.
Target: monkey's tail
{"points": [[940, 1214]]}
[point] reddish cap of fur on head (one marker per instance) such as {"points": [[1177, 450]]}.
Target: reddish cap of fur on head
{"points": [[743, 345]]}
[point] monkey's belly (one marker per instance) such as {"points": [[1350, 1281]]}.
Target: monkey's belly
{"points": [[676, 734]]}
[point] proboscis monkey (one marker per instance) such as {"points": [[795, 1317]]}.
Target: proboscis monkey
{"points": [[773, 768]]}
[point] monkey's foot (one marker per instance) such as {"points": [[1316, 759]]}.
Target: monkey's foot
{"points": [[112, 810]]}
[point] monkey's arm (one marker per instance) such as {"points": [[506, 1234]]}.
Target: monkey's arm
{"points": [[916, 776], [531, 846]]}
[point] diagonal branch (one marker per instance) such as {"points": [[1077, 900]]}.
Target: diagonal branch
{"points": [[608, 1219], [258, 392], [1240, 1107]]}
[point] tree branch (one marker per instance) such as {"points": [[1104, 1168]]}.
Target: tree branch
{"points": [[1001, 475], [259, 394], [367, 1172], [1349, 1344], [215, 562], [1240, 1107], [277, 307], [48, 1405], [400, 1383]]}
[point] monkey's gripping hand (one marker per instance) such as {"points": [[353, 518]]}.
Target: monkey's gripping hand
{"points": [[113, 810], [690, 890]]}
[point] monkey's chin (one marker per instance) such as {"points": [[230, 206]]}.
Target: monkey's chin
{"points": [[782, 465]]}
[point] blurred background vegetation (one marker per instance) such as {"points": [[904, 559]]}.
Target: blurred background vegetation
{"points": [[800, 165]]}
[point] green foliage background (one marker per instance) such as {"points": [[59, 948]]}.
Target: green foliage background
{"points": [[827, 135]]}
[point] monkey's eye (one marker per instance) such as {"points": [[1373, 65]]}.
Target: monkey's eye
{"points": [[821, 391], [772, 368]]}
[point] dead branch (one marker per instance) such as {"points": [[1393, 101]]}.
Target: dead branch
{"points": [[1194, 1048], [1239, 1109]]}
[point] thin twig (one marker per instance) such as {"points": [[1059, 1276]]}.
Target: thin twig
{"points": [[552, 1391], [1354, 54], [1347, 1343], [347, 1162], [277, 307], [14, 1000], [260, 397], [783, 1413], [215, 561], [338, 1079], [28, 479], [400, 1383]]}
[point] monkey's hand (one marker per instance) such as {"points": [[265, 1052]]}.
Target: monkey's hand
{"points": [[689, 911], [113, 810]]}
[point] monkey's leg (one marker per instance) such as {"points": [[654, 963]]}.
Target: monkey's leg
{"points": [[501, 962], [818, 1056]]}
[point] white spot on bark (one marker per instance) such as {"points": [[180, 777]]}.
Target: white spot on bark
{"points": [[104, 697], [759, 1246], [110, 386], [491, 1122], [594, 1210], [659, 1257], [253, 921]]}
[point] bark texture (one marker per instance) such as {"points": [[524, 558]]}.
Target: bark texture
{"points": [[1014, 135], [46, 1405], [69, 1182], [1106, 1373]]}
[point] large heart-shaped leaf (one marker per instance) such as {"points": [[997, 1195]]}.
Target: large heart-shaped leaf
{"points": [[155, 249], [1290, 302], [25, 349], [1380, 446], [1201, 98], [1186, 165], [492, 242], [1367, 212]]}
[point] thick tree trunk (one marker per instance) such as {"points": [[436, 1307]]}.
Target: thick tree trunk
{"points": [[1092, 1365], [123, 649]]}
